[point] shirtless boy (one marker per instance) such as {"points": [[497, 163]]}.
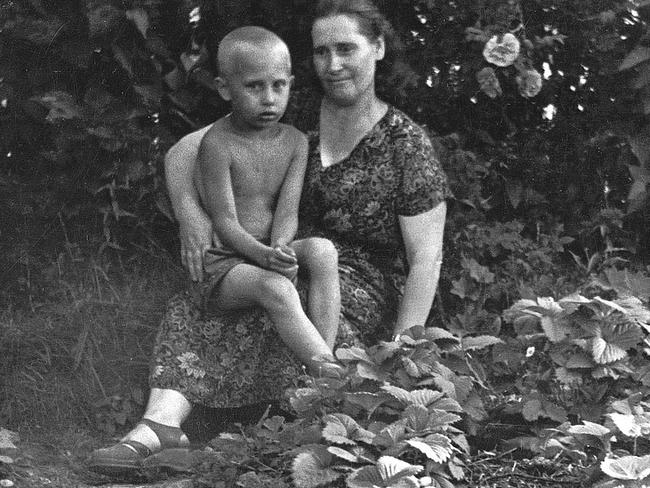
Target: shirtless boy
{"points": [[250, 171]]}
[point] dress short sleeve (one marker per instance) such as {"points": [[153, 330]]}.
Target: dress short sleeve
{"points": [[423, 183]]}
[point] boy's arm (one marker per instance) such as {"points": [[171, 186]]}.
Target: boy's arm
{"points": [[214, 166], [285, 220]]}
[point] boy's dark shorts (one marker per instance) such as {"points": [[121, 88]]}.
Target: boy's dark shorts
{"points": [[217, 263]]}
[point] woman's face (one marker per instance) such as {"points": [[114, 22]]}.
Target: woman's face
{"points": [[345, 59]]}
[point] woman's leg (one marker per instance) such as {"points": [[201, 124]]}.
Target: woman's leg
{"points": [[167, 407], [319, 258], [245, 286], [159, 429]]}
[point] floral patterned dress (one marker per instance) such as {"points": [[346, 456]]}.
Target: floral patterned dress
{"points": [[237, 358]]}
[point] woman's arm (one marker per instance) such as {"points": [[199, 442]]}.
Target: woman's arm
{"points": [[194, 224], [422, 235]]}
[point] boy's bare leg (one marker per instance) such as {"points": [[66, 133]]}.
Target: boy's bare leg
{"points": [[247, 285], [319, 258]]}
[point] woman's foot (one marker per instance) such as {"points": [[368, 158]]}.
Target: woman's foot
{"points": [[145, 440]]}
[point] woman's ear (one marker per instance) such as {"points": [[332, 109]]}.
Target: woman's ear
{"points": [[292, 81], [222, 88], [380, 46]]}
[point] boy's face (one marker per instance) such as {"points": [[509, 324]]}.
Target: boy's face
{"points": [[257, 85]]}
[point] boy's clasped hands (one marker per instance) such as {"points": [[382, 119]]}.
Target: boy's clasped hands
{"points": [[282, 259]]}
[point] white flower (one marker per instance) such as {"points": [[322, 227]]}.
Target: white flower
{"points": [[501, 52], [195, 15]]}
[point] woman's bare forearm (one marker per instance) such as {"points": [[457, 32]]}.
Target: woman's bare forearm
{"points": [[423, 242], [180, 164], [419, 293]]}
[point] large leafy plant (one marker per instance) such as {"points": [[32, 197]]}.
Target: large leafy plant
{"points": [[394, 420]]}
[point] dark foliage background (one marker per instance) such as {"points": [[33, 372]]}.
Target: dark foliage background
{"points": [[547, 152]]}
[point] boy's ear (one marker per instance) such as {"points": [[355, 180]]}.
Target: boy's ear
{"points": [[222, 88], [292, 79], [380, 46]]}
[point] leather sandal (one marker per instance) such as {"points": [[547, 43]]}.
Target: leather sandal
{"points": [[129, 455]]}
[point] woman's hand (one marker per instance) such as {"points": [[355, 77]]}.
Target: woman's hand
{"points": [[196, 237]]}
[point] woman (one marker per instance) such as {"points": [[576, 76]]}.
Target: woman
{"points": [[373, 186]]}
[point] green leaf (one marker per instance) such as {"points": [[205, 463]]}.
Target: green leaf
{"points": [[638, 55], [610, 342], [140, 18], [632, 425], [422, 421], [204, 77], [353, 354], [532, 410], [627, 467], [357, 454], [479, 273], [642, 79], [556, 329], [343, 429], [7, 439], [423, 397], [61, 105], [536, 408], [589, 428], [515, 191], [124, 59], [391, 435], [103, 17], [404, 396], [436, 447], [568, 377], [371, 372], [343, 454], [388, 472], [302, 399], [150, 95], [436, 333], [366, 400], [313, 468], [638, 192], [479, 342], [174, 79], [628, 283]]}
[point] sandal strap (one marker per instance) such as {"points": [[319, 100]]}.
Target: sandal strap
{"points": [[169, 437], [137, 447]]}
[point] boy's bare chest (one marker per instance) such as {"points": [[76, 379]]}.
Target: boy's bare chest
{"points": [[259, 168]]}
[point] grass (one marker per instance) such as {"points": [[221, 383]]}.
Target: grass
{"points": [[61, 357], [76, 327]]}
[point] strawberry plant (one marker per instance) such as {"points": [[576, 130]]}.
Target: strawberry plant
{"points": [[394, 419]]}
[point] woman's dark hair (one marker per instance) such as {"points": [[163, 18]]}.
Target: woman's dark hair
{"points": [[372, 23]]}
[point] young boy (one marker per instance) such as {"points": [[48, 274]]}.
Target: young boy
{"points": [[249, 175]]}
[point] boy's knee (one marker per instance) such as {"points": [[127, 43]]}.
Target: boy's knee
{"points": [[322, 253], [276, 290]]}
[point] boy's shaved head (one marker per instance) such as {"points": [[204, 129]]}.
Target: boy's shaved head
{"points": [[239, 47]]}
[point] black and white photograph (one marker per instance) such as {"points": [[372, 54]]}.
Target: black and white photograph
{"points": [[324, 243]]}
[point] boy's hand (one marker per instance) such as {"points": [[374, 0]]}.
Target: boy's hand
{"points": [[282, 259]]}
